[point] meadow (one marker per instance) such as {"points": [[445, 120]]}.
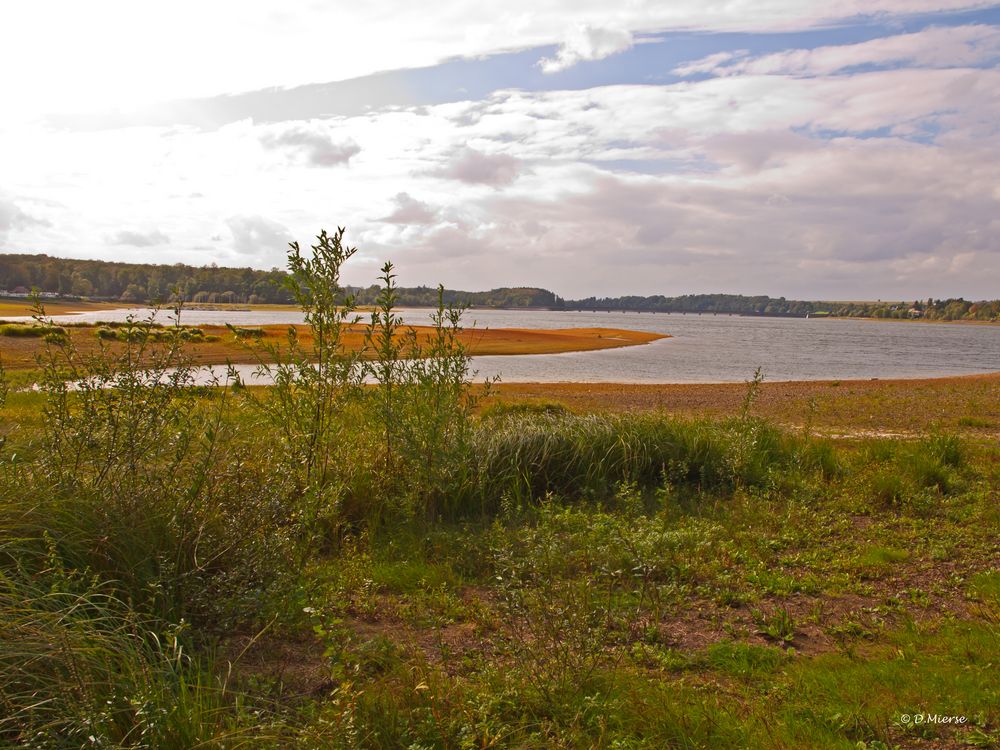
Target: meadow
{"points": [[427, 562]]}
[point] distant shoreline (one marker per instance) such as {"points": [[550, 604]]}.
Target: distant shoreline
{"points": [[21, 308]]}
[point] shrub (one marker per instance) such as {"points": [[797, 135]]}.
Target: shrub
{"points": [[247, 333], [309, 408], [946, 449], [421, 406], [127, 482], [887, 488], [29, 330]]}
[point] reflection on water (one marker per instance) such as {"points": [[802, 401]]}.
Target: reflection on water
{"points": [[703, 348]]}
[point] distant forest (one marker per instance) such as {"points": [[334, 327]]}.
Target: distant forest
{"points": [[133, 282], [736, 304]]}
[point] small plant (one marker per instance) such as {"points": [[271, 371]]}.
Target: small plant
{"points": [[975, 422], [744, 660], [753, 391], [424, 403], [242, 333], [778, 626], [887, 489], [947, 449]]}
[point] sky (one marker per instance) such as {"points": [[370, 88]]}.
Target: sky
{"points": [[825, 150]]}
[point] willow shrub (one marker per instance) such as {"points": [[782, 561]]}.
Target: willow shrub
{"points": [[133, 480]]}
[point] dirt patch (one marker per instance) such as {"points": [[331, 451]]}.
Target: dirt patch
{"points": [[296, 663]]}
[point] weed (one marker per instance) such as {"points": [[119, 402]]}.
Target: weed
{"points": [[744, 660], [976, 422], [779, 625]]}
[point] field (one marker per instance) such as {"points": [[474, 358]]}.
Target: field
{"points": [[415, 563]]}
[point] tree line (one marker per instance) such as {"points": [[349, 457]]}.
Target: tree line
{"points": [[737, 304], [138, 283]]}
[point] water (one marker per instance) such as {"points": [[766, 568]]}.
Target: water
{"points": [[703, 348]]}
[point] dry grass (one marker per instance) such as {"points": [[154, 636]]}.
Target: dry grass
{"points": [[966, 404], [20, 353]]}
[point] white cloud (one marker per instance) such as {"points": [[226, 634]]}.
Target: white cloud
{"points": [[587, 43], [410, 211], [714, 63], [118, 53], [754, 195], [949, 47], [258, 236], [139, 239], [13, 217], [474, 167], [312, 144]]}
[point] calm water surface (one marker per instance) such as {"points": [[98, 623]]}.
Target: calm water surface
{"points": [[703, 348]]}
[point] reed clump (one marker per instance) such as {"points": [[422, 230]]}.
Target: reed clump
{"points": [[28, 330]]}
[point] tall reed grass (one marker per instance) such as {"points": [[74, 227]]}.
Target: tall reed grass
{"points": [[524, 457]]}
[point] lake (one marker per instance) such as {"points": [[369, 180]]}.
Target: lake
{"points": [[703, 348]]}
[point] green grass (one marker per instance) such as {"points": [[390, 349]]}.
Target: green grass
{"points": [[627, 581]]}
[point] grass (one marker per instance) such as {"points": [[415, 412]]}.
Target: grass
{"points": [[894, 408], [23, 331], [610, 581]]}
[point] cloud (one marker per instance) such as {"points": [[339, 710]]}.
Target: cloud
{"points": [[139, 239], [880, 182], [316, 147], [258, 236], [586, 43], [713, 63], [12, 217], [475, 167], [380, 36], [935, 47], [410, 211]]}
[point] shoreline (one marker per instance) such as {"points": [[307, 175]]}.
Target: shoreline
{"points": [[907, 320], [10, 307]]}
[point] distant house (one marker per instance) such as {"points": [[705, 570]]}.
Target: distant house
{"points": [[20, 291], [915, 313]]}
